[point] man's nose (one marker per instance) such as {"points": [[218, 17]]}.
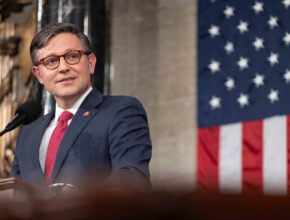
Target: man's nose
{"points": [[63, 65]]}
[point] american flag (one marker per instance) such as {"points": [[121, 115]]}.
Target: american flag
{"points": [[244, 96]]}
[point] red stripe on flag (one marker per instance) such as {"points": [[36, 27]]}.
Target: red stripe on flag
{"points": [[252, 156], [288, 154], [208, 159]]}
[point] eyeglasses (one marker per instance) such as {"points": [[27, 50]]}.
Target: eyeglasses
{"points": [[71, 57]]}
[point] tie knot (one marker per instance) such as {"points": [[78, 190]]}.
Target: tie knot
{"points": [[65, 116]]}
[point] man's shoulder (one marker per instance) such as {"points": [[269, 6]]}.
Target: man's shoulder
{"points": [[121, 100]]}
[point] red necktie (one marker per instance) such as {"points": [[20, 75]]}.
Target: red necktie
{"points": [[54, 142]]}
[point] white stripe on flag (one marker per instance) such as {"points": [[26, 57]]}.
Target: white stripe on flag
{"points": [[230, 177], [275, 155]]}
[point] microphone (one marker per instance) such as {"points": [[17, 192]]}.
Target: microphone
{"points": [[24, 114]]}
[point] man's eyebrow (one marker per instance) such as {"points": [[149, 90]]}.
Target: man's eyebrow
{"points": [[56, 54]]}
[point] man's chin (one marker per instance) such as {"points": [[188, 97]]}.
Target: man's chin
{"points": [[67, 94]]}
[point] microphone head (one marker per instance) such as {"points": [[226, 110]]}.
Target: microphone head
{"points": [[30, 109]]}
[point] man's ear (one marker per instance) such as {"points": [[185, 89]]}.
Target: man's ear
{"points": [[92, 62], [37, 74]]}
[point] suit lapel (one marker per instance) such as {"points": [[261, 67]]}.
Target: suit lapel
{"points": [[38, 134], [84, 114]]}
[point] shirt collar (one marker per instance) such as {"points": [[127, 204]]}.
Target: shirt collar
{"points": [[73, 109]]}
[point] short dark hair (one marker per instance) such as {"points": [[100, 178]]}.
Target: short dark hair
{"points": [[51, 30]]}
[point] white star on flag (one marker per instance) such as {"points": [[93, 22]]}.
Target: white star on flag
{"points": [[229, 11], [258, 7], [214, 31], [286, 76], [273, 96], [243, 27], [229, 47], [258, 80], [215, 102], [230, 83], [243, 63], [286, 38], [258, 43], [214, 66], [286, 3], [273, 22], [273, 59], [243, 100]]}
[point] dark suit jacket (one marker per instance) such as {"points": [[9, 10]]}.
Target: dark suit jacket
{"points": [[110, 145]]}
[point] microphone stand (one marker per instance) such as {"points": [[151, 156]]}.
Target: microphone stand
{"points": [[16, 121], [3, 132]]}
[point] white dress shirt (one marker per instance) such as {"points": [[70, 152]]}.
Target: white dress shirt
{"points": [[48, 132]]}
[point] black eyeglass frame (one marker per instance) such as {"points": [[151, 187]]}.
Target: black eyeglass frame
{"points": [[80, 52]]}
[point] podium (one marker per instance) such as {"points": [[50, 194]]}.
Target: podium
{"points": [[27, 202], [15, 189], [11, 187]]}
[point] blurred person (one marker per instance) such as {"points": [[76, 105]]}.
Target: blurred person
{"points": [[88, 137]]}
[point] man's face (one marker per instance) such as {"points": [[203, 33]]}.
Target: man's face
{"points": [[67, 82]]}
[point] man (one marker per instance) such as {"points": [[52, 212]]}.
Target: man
{"points": [[103, 139]]}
